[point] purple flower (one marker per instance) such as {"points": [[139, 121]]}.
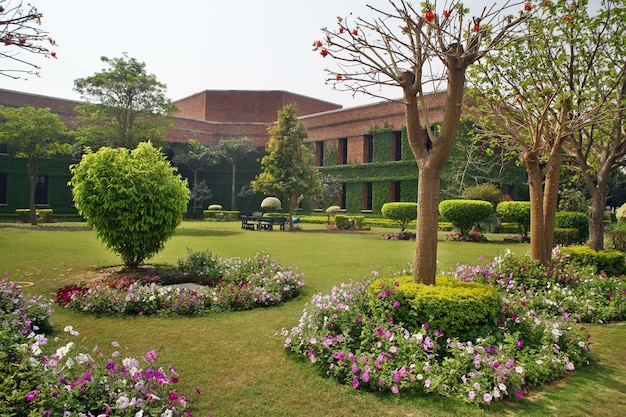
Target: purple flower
{"points": [[395, 389], [520, 344], [519, 393], [396, 304], [32, 395], [355, 382]]}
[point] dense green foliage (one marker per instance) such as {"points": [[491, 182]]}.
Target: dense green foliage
{"points": [[133, 199], [124, 106], [574, 220], [465, 214], [516, 211], [484, 192], [403, 213], [565, 236], [610, 262], [461, 309]]}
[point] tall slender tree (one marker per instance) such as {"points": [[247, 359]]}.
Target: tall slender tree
{"points": [[233, 151], [401, 47], [197, 158], [33, 134], [289, 164]]}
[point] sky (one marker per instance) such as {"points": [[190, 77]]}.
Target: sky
{"points": [[192, 45]]}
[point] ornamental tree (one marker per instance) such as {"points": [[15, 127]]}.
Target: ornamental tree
{"points": [[289, 164], [133, 199], [124, 106], [538, 98], [401, 47], [33, 134], [20, 31]]}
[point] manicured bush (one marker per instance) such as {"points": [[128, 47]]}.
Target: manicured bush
{"points": [[343, 222], [459, 309], [133, 199], [518, 212], [465, 214], [401, 212], [44, 215], [566, 236], [483, 192], [610, 262], [271, 203], [227, 215], [573, 220], [616, 238]]}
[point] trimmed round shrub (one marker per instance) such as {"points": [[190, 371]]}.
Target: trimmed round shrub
{"points": [[516, 211], [465, 214], [573, 220], [621, 213], [271, 203], [457, 308], [215, 207], [401, 212], [133, 199], [483, 192]]}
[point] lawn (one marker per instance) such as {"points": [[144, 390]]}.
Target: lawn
{"points": [[237, 360]]}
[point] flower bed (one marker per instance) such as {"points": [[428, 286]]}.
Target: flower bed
{"points": [[59, 378], [536, 339], [233, 284]]}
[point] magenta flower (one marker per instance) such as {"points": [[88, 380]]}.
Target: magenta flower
{"points": [[355, 382], [519, 393], [32, 395], [395, 389], [151, 356]]}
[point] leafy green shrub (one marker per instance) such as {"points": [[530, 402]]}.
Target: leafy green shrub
{"points": [[133, 199], [483, 192], [402, 212], [349, 222], [518, 212], [565, 236], [465, 214], [228, 215], [44, 215], [575, 220], [200, 267], [610, 262], [616, 238], [620, 214], [457, 308]]}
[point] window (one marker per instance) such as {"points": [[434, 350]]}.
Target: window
{"points": [[342, 151], [366, 203], [319, 153], [396, 146], [368, 148], [4, 148], [394, 191], [41, 191], [3, 189], [343, 196]]}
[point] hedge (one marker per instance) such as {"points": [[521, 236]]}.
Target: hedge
{"points": [[43, 215], [573, 220], [610, 262], [227, 215]]}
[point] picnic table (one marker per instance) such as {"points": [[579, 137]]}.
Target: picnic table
{"points": [[257, 221]]}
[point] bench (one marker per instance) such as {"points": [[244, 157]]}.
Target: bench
{"points": [[268, 222]]}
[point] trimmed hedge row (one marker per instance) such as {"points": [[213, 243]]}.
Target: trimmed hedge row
{"points": [[611, 262], [227, 215]]}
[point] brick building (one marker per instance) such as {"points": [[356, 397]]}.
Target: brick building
{"points": [[365, 145]]}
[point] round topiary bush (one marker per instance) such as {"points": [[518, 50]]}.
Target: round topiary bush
{"points": [[457, 308], [133, 199], [621, 213], [402, 212], [271, 204], [516, 211], [465, 214]]}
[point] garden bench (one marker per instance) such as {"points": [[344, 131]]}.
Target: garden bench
{"points": [[248, 222]]}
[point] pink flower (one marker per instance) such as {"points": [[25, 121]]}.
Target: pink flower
{"points": [[32, 395]]}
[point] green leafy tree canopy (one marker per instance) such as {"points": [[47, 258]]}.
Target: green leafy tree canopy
{"points": [[133, 199], [125, 106]]}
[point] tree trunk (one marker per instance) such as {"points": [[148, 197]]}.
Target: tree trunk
{"points": [[425, 259], [33, 176], [550, 197], [599, 194], [537, 226], [232, 186]]}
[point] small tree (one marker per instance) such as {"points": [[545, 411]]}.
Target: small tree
{"points": [[518, 212], [33, 134], [288, 166], [484, 192], [233, 151], [330, 193], [133, 199], [20, 31], [403, 213], [125, 106]]}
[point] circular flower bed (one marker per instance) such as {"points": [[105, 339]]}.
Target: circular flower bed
{"points": [[226, 285], [537, 337]]}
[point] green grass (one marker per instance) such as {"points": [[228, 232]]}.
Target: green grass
{"points": [[237, 359]]}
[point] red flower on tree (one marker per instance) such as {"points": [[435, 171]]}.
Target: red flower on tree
{"points": [[429, 16], [446, 13], [339, 76], [341, 29], [323, 53], [355, 32], [528, 7]]}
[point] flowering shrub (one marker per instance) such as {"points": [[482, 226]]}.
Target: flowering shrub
{"points": [[516, 239], [243, 285], [537, 339], [41, 380], [471, 236], [399, 235]]}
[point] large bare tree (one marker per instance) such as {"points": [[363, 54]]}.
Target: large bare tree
{"points": [[20, 31], [417, 48]]}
